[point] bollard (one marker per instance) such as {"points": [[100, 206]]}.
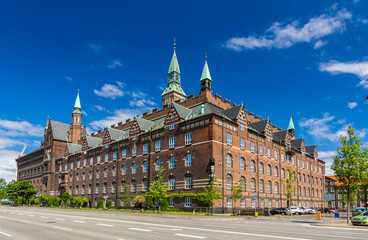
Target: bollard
{"points": [[256, 214], [142, 210], [319, 216]]}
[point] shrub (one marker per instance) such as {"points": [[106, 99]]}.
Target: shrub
{"points": [[108, 203]]}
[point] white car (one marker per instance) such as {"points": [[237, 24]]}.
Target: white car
{"points": [[296, 210], [310, 211]]}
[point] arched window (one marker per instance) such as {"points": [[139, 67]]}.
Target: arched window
{"points": [[308, 192], [261, 188], [261, 168], [253, 185], [124, 170], [252, 168], [242, 183], [307, 178], [145, 166], [312, 180], [113, 187], [317, 193], [312, 191], [282, 173], [276, 188], [77, 190], [158, 165], [188, 160], [97, 188], [134, 186], [105, 188], [134, 168], [269, 187], [106, 172], [276, 172], [172, 183], [242, 163], [303, 177], [269, 170], [298, 177], [228, 182], [114, 170], [303, 191], [228, 160], [123, 186], [299, 191]]}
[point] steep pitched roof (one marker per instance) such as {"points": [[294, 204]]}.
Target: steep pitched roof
{"points": [[259, 126], [297, 143], [310, 149], [143, 123], [280, 135], [59, 130], [233, 112], [72, 148], [183, 112], [93, 141], [114, 133]]}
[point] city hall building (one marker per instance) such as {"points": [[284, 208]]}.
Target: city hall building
{"points": [[195, 138]]}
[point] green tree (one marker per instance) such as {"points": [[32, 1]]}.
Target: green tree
{"points": [[20, 191], [108, 203], [210, 194], [236, 194], [99, 203], [289, 185], [65, 197], [126, 196], [44, 199], [350, 166], [2, 188], [139, 201], [84, 201], [158, 190]]}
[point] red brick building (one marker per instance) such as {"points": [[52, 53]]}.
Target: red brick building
{"points": [[195, 138]]}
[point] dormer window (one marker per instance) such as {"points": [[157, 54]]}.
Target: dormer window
{"points": [[172, 126], [134, 137], [106, 145], [268, 139], [242, 127]]}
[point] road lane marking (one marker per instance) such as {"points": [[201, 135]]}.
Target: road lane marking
{"points": [[3, 217], [105, 225], [342, 229], [25, 221], [190, 236], [30, 215], [171, 229], [44, 217], [77, 221], [61, 228], [329, 236], [6, 234], [21, 214], [141, 229], [61, 219]]}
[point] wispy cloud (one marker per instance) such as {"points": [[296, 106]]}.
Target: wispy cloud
{"points": [[356, 68], [20, 128], [69, 79], [352, 105], [7, 164], [114, 64], [319, 44], [100, 108], [110, 91], [96, 48], [141, 103], [281, 35], [326, 154]]}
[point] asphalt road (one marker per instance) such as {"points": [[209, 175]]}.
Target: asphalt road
{"points": [[46, 223]]}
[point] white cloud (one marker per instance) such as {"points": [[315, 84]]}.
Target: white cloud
{"points": [[84, 113], [8, 142], [114, 64], [356, 68], [281, 35], [110, 91], [326, 154], [8, 166], [20, 128], [319, 44], [69, 79], [352, 105], [96, 48], [141, 103], [100, 108], [120, 115]]}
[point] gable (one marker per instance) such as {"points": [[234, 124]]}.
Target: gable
{"points": [[172, 115], [135, 129]]}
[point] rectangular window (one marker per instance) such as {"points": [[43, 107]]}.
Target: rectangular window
{"points": [[172, 162], [188, 202], [106, 145], [78, 164], [172, 126], [275, 155], [262, 203], [303, 164], [158, 146], [293, 161], [242, 203], [253, 203], [172, 184], [260, 150], [277, 203], [242, 127], [229, 203], [145, 148], [229, 139], [171, 202], [172, 142], [268, 152], [134, 137], [134, 152], [115, 156], [124, 153], [72, 165], [188, 138], [252, 147], [145, 167], [91, 161], [188, 183], [287, 159], [268, 139], [145, 185], [242, 143], [66, 167], [307, 165], [298, 162], [106, 157], [282, 157], [84, 162]]}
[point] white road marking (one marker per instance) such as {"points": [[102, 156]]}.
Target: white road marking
{"points": [[6, 234], [342, 228], [168, 228], [61, 219], [190, 236], [30, 215], [3, 217], [141, 229], [77, 221], [25, 221], [61, 228], [21, 214], [44, 217], [105, 225], [329, 236]]}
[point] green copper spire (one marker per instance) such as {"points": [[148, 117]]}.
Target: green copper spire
{"points": [[174, 65], [77, 105], [291, 124], [206, 72]]}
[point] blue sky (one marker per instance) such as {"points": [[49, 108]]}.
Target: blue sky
{"points": [[277, 57]]}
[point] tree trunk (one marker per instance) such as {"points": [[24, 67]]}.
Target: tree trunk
{"points": [[348, 218]]}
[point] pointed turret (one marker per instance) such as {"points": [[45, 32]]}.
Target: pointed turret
{"points": [[291, 128], [76, 125], [77, 102], [206, 77], [173, 91]]}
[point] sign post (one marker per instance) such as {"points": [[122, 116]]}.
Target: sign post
{"points": [[328, 197], [255, 209]]}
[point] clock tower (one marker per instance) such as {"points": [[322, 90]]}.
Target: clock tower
{"points": [[173, 91], [76, 131]]}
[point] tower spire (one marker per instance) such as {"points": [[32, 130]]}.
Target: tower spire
{"points": [[77, 104], [206, 76], [291, 128]]}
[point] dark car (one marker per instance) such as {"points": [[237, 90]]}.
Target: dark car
{"points": [[325, 210], [282, 211]]}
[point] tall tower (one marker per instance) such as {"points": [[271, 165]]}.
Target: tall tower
{"points": [[206, 78], [291, 128], [76, 125], [173, 91]]}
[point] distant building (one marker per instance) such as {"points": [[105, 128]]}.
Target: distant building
{"points": [[195, 138]]}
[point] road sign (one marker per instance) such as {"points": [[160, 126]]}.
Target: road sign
{"points": [[329, 197], [255, 197]]}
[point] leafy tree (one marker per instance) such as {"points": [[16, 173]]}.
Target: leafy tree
{"points": [[108, 203], [84, 201], [20, 191], [158, 190], [65, 197], [139, 201], [127, 196], [76, 201], [99, 203], [350, 166], [289, 185], [210, 194], [236, 194], [44, 198], [2, 188]]}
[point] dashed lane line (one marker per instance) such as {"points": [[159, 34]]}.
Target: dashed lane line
{"points": [[141, 229], [24, 221], [78, 221], [44, 217], [190, 236], [170, 229], [3, 217], [30, 215], [61, 228], [6, 234], [60, 219], [105, 225]]}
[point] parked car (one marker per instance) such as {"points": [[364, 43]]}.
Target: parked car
{"points": [[296, 210], [310, 211], [333, 210], [325, 210], [360, 209], [361, 219], [282, 211]]}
